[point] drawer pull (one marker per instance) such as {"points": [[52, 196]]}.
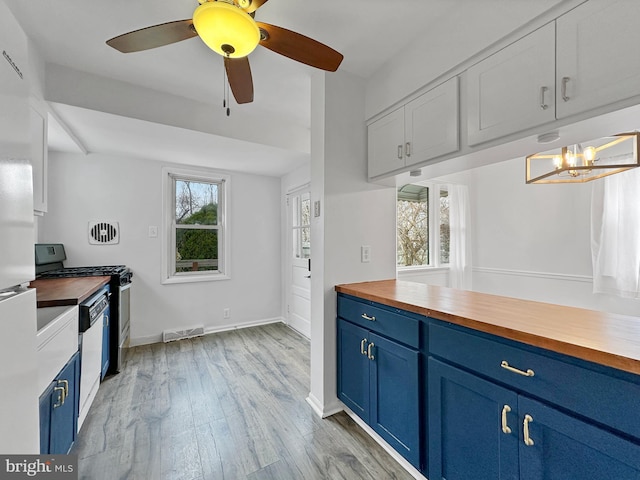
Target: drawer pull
{"points": [[505, 428], [369, 354], [367, 317], [529, 373], [61, 397], [528, 441], [362, 344]]}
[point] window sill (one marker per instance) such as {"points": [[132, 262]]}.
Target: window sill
{"points": [[421, 269], [195, 278]]}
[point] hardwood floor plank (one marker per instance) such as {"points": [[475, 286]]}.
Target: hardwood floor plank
{"points": [[226, 406]]}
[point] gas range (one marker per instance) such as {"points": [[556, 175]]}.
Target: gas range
{"points": [[121, 273]]}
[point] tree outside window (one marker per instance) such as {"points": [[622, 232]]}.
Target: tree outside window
{"points": [[422, 225]]}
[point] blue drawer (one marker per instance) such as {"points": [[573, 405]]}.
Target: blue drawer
{"points": [[380, 320], [572, 385]]}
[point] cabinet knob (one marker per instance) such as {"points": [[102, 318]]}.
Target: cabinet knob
{"points": [[505, 428], [362, 344], [543, 105], [563, 89], [369, 353], [528, 441]]}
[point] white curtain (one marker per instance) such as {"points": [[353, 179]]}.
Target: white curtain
{"points": [[615, 234], [459, 237]]}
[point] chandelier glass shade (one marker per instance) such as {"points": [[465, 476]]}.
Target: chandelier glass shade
{"points": [[226, 29], [586, 161]]}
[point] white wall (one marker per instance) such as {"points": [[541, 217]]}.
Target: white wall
{"points": [[128, 190], [353, 213], [533, 241]]}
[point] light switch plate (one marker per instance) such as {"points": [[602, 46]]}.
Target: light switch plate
{"points": [[365, 253], [153, 231]]}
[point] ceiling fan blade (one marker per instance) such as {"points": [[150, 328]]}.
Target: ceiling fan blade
{"points": [[240, 79], [300, 48], [155, 36], [250, 6]]}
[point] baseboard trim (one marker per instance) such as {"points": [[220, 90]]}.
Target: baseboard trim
{"points": [[323, 411], [413, 471], [147, 340]]}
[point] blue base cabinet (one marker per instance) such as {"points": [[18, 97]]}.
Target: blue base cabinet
{"points": [[485, 424], [59, 406], [105, 343], [378, 378]]}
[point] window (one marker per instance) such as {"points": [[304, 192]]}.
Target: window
{"points": [[195, 227], [301, 225], [422, 225]]}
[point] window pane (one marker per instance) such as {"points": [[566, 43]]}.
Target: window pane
{"points": [[305, 233], [413, 226], [196, 250], [444, 226], [196, 203], [305, 213]]}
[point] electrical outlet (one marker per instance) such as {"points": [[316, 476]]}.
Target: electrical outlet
{"points": [[316, 208], [226, 313], [365, 253]]}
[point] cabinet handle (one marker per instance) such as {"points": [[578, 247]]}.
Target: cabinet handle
{"points": [[505, 428], [543, 105], [61, 396], [362, 344], [529, 373], [367, 317], [528, 441], [106, 320], [399, 152], [407, 149], [65, 383], [369, 354], [563, 90]]}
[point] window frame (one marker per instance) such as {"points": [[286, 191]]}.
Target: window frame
{"points": [[434, 230], [169, 177]]}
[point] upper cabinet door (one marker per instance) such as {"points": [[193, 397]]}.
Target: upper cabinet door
{"points": [[386, 143], [513, 89], [431, 124], [597, 55]]}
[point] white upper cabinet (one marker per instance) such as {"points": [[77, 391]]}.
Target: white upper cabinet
{"points": [[597, 55], [386, 143], [39, 155], [431, 124], [424, 128], [513, 89]]}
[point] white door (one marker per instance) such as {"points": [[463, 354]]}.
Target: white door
{"points": [[299, 261]]}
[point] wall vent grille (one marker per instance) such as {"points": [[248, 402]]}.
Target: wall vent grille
{"points": [[104, 233], [173, 335]]}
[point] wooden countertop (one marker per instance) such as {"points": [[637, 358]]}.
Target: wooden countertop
{"points": [[605, 338], [55, 292]]}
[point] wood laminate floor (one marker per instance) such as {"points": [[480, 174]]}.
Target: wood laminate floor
{"points": [[225, 406]]}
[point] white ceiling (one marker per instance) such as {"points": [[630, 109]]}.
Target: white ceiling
{"points": [[368, 33]]}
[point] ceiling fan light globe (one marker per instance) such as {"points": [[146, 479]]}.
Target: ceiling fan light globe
{"points": [[221, 25]]}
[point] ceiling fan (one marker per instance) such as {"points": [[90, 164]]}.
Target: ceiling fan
{"points": [[228, 28]]}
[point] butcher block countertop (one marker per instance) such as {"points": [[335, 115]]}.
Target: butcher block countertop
{"points": [[605, 338], [56, 292]]}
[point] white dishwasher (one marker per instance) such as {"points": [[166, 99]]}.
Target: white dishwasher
{"points": [[91, 327]]}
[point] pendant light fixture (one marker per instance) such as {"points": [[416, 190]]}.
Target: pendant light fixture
{"points": [[585, 161]]}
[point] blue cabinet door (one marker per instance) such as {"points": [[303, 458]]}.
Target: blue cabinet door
{"points": [[46, 403], [566, 448], [353, 368], [106, 321], [64, 409], [467, 441], [394, 396]]}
